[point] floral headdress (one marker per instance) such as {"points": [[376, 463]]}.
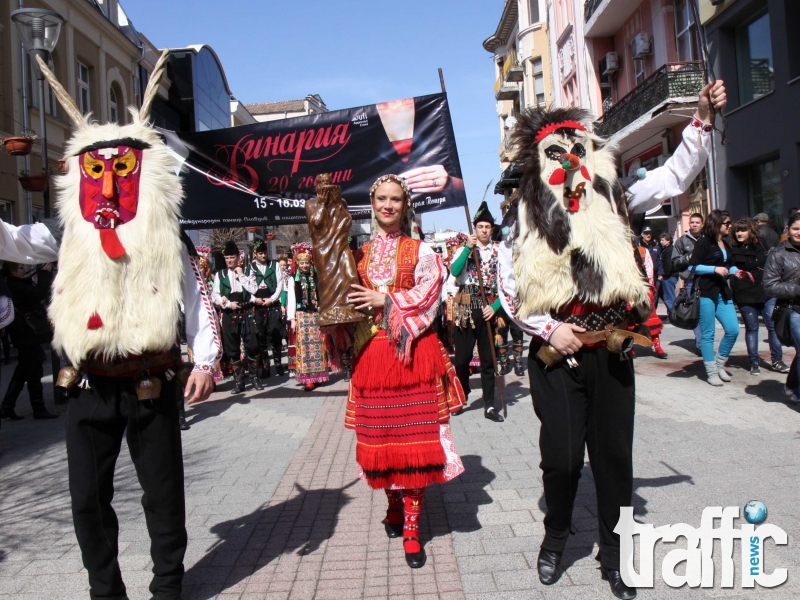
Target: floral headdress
{"points": [[301, 251]]}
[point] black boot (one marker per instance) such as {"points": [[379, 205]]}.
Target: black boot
{"points": [[39, 410], [182, 420], [618, 587], [519, 367], [265, 370], [549, 566], [15, 387], [502, 359], [254, 375], [238, 371]]}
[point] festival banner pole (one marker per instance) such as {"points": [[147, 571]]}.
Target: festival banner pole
{"points": [[498, 378]]}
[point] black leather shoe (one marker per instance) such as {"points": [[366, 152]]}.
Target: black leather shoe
{"points": [[493, 415], [8, 413], [238, 387], [416, 560], [183, 424], [549, 566], [279, 370], [618, 587], [393, 530]]}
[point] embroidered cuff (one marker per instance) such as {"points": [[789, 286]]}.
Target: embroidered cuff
{"points": [[548, 329], [698, 124], [206, 368]]}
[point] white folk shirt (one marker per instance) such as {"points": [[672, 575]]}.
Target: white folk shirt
{"points": [[239, 283], [671, 179], [35, 244]]}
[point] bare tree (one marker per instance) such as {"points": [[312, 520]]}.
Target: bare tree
{"points": [[216, 238]]}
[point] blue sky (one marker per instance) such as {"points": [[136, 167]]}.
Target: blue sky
{"points": [[352, 53]]}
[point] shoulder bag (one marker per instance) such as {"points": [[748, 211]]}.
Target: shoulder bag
{"points": [[685, 311]]}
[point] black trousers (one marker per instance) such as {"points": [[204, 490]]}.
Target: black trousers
{"points": [[464, 339], [269, 327], [239, 325], [29, 370], [96, 422], [591, 405]]}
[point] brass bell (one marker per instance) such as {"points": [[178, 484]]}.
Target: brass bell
{"points": [[147, 388], [67, 378]]}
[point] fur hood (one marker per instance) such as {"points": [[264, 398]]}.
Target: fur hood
{"points": [[563, 253], [129, 305]]}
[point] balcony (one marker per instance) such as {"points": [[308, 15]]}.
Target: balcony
{"points": [[505, 90], [605, 17], [674, 83], [511, 69]]}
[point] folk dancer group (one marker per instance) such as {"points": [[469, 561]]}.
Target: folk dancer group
{"points": [[566, 275]]}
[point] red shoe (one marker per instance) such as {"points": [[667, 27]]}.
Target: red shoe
{"points": [[658, 349], [308, 387]]}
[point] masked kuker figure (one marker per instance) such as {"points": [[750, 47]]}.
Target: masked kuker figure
{"points": [[123, 272], [569, 278]]}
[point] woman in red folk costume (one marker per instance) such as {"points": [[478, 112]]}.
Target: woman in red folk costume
{"points": [[403, 387]]}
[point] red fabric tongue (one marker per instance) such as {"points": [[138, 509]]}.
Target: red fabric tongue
{"points": [[111, 244]]}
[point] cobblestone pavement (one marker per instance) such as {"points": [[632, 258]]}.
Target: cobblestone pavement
{"points": [[275, 508]]}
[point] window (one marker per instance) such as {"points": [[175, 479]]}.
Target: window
{"points": [[112, 106], [538, 82], [764, 190], [639, 70], [754, 59], [686, 32], [83, 89], [570, 95], [51, 105], [533, 11]]}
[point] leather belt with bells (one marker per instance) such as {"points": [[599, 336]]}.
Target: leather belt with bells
{"points": [[617, 338]]}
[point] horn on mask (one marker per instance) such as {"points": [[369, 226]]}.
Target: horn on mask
{"points": [[66, 101], [152, 85]]}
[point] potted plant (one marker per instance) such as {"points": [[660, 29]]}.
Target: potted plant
{"points": [[252, 229], [20, 145], [270, 236], [33, 183]]}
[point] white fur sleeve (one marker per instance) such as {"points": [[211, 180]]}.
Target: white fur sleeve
{"points": [[201, 320], [676, 175], [27, 244], [542, 326], [6, 312]]}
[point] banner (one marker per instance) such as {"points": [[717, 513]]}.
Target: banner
{"points": [[262, 174]]}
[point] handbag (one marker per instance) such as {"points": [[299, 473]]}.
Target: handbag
{"points": [[685, 311], [781, 319]]}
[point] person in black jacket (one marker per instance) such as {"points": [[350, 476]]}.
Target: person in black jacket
{"points": [[28, 331], [781, 276], [711, 260], [670, 279], [748, 256]]}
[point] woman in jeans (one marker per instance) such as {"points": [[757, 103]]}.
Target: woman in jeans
{"points": [[781, 277], [748, 256], [711, 262]]}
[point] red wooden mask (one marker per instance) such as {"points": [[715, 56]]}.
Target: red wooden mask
{"points": [[109, 193]]}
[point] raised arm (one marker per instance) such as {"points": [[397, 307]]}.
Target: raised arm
{"points": [[675, 177], [28, 244]]}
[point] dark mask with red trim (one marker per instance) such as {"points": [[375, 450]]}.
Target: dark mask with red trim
{"points": [[109, 194]]}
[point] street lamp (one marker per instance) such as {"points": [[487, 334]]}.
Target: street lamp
{"points": [[39, 29]]}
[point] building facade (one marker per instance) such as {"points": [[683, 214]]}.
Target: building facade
{"points": [[648, 72], [522, 72], [100, 59], [284, 109], [755, 49]]}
